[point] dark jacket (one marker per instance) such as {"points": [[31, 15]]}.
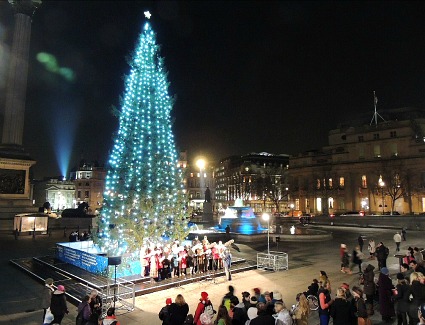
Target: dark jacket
{"points": [[164, 315], [263, 319], [402, 298], [327, 296], [178, 313], [385, 287], [239, 314], [341, 312], [361, 310], [369, 280], [58, 303], [381, 252]]}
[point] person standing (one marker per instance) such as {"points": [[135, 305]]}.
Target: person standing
{"points": [[227, 263], [325, 303], [302, 310], [362, 317], [164, 313], [371, 248], [357, 258], [178, 310], [341, 309], [369, 287], [204, 305], [403, 233], [95, 305], [223, 317], [397, 240], [381, 255], [85, 311], [46, 295], [402, 300], [360, 241], [58, 305], [385, 287]]}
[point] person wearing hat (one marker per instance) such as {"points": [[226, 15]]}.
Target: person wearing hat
{"points": [[362, 316], [401, 297], [385, 286], [58, 305], [46, 295], [164, 313], [205, 307]]}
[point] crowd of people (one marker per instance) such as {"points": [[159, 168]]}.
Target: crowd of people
{"points": [[256, 308], [55, 307], [176, 260], [399, 298]]}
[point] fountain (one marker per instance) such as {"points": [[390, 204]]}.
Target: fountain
{"points": [[241, 219]]}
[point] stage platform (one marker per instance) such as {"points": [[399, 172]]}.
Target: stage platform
{"points": [[79, 282]]}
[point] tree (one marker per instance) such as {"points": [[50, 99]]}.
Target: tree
{"points": [[143, 199]]}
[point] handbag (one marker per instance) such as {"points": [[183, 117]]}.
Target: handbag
{"points": [[363, 321]]}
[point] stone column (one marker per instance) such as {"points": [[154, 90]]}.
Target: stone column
{"points": [[13, 126]]}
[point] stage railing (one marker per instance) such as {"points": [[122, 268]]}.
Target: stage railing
{"points": [[275, 261], [122, 292]]}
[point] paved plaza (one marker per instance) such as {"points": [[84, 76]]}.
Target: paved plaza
{"points": [[20, 293]]}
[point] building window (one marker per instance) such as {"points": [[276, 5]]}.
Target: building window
{"points": [[393, 134], [297, 204], [361, 152], [361, 138], [86, 193], [364, 181], [331, 203], [318, 183], [79, 195], [394, 151], [376, 136], [330, 183], [198, 195], [377, 151], [341, 182]]}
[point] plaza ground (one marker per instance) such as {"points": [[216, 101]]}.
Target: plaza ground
{"points": [[19, 302]]}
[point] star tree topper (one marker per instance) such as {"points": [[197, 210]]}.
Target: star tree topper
{"points": [[147, 14]]}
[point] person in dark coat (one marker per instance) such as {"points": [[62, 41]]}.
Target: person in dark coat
{"points": [[178, 311], [360, 305], [164, 313], [263, 317], [58, 305], [385, 289], [341, 310], [402, 299], [418, 293], [369, 287], [381, 255]]}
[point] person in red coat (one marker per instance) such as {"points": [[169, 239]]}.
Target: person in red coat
{"points": [[204, 306]]}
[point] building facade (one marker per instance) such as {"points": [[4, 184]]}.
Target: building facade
{"points": [[259, 179], [376, 167], [89, 184]]}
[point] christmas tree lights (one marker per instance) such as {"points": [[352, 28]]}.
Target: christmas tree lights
{"points": [[143, 199]]}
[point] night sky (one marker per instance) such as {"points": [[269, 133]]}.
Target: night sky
{"points": [[247, 76]]}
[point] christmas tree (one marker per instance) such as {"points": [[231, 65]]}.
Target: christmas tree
{"points": [[143, 199]]}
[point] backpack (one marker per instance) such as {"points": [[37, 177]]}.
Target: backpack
{"points": [[206, 317], [188, 320], [226, 303]]}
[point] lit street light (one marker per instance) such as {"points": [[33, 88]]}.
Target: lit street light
{"points": [[266, 217]]}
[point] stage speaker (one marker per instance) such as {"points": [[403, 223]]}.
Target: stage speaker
{"points": [[114, 260]]}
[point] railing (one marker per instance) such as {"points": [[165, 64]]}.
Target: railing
{"points": [[121, 292], [275, 261]]}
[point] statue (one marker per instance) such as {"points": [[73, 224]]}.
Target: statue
{"points": [[207, 195]]}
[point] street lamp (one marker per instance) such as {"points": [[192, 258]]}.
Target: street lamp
{"points": [[266, 217], [200, 163], [382, 184]]}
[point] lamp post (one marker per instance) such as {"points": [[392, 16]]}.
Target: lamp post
{"points": [[200, 163], [266, 217], [382, 184]]}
